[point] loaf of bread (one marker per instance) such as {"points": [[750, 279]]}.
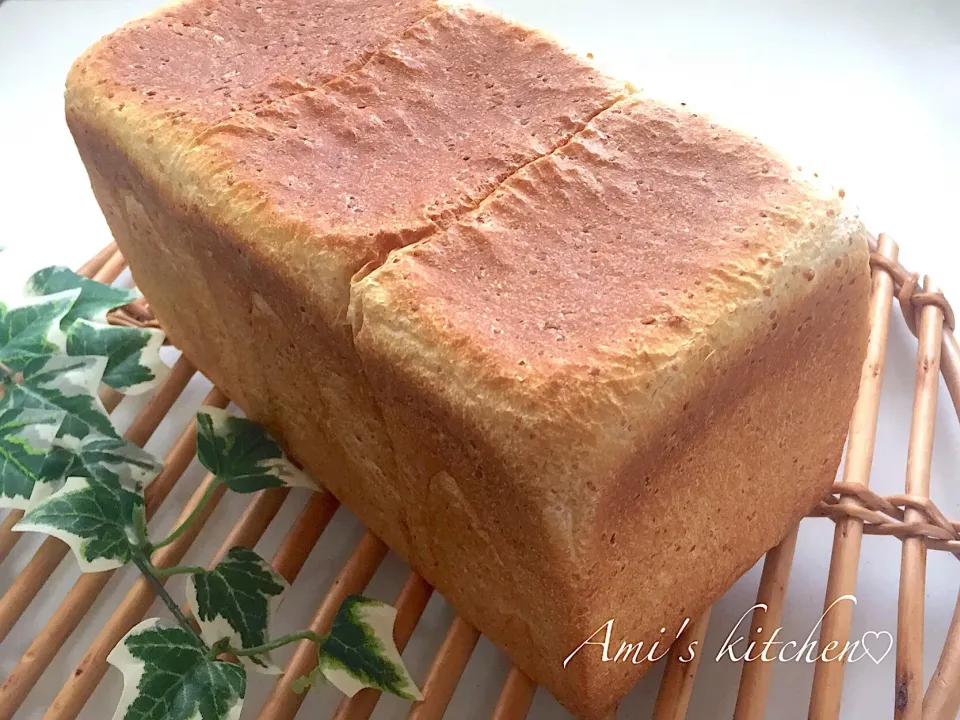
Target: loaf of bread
{"points": [[577, 356]]}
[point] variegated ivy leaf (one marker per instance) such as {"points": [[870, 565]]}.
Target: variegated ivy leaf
{"points": [[359, 651], [133, 354], [167, 674], [97, 457], [98, 520], [235, 601], [25, 439], [31, 326], [134, 364], [69, 384], [242, 455], [94, 301], [66, 387]]}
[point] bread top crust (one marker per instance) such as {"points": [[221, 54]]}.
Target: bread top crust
{"points": [[209, 58], [631, 236], [570, 318], [320, 185], [428, 127]]}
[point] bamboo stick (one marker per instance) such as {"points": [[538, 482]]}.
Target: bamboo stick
{"points": [[755, 676], [950, 352], [445, 672], [51, 551], [110, 398], [92, 266], [908, 700], [283, 703], [9, 538], [147, 421], [676, 686], [410, 604], [942, 699], [950, 367], [306, 531], [111, 269], [253, 522], [848, 533], [91, 669], [81, 597], [516, 697]]}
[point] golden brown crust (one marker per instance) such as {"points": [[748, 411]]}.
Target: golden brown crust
{"points": [[478, 98], [351, 173], [210, 58], [649, 210]]}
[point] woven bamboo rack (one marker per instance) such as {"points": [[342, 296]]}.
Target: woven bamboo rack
{"points": [[911, 516]]}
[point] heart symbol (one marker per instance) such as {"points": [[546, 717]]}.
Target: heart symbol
{"points": [[877, 636]]}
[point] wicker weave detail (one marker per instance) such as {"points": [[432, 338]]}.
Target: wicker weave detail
{"points": [[885, 516]]}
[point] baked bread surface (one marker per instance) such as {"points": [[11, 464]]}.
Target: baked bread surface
{"points": [[622, 374], [575, 355]]}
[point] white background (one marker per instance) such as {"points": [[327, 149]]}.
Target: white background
{"points": [[866, 92]]}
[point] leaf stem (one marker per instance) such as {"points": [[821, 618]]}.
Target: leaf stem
{"points": [[274, 644], [147, 569], [185, 525], [177, 570]]}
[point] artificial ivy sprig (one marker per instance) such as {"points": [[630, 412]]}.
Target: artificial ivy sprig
{"points": [[26, 437], [233, 602], [63, 462], [53, 363]]}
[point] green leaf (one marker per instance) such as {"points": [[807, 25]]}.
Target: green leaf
{"points": [[26, 437], [235, 601], [59, 382], [98, 457], [94, 301], [359, 651], [133, 354], [242, 455], [134, 364], [311, 680], [31, 326], [167, 674], [97, 520]]}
